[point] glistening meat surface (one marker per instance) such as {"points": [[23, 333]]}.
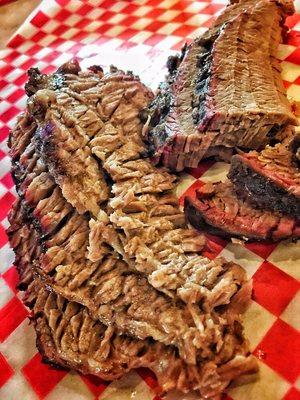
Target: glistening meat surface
{"points": [[270, 178], [152, 235], [219, 210], [225, 89], [129, 261], [69, 337], [108, 287]]}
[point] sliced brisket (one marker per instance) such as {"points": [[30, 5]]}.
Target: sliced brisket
{"points": [[270, 178], [218, 210], [150, 232], [68, 336], [225, 90], [109, 258], [117, 296]]}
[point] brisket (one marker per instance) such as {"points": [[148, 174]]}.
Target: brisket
{"points": [[108, 239], [68, 336], [167, 256], [225, 89], [218, 210], [270, 179], [117, 296], [151, 233]]}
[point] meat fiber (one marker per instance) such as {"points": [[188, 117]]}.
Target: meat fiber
{"points": [[225, 89], [130, 259], [117, 296], [148, 228], [218, 210], [68, 336], [270, 178]]}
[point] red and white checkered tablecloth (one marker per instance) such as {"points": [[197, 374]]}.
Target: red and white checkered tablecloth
{"points": [[139, 35]]}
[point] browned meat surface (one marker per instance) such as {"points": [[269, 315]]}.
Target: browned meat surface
{"points": [[64, 144], [70, 336], [225, 89], [152, 235], [130, 263], [167, 256], [118, 296], [219, 210], [67, 335], [270, 178]]}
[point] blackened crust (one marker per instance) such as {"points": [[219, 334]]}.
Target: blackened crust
{"points": [[261, 190], [197, 219]]}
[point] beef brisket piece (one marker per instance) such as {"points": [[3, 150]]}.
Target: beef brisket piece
{"points": [[218, 210], [119, 297], [67, 266], [153, 238], [270, 178], [68, 336], [108, 259], [71, 117], [65, 146], [171, 269], [225, 90]]}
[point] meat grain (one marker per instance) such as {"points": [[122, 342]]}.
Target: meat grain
{"points": [[225, 89]]}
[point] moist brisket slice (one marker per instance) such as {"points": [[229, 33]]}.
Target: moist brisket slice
{"points": [[218, 210], [225, 89], [151, 228], [68, 336], [79, 261], [120, 297], [270, 179], [112, 290]]}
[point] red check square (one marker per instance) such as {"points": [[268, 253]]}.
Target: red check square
{"points": [[11, 278], [11, 315], [292, 394], [39, 19], [5, 204], [95, 384], [6, 371], [261, 249], [281, 349], [273, 288], [41, 377]]}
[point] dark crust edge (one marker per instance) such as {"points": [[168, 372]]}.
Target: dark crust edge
{"points": [[261, 190], [197, 219], [48, 354]]}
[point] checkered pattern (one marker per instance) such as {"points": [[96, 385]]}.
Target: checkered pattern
{"points": [[138, 35]]}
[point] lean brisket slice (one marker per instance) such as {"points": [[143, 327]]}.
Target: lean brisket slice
{"points": [[150, 231], [113, 292], [218, 210], [270, 178], [68, 336], [225, 90], [129, 260]]}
